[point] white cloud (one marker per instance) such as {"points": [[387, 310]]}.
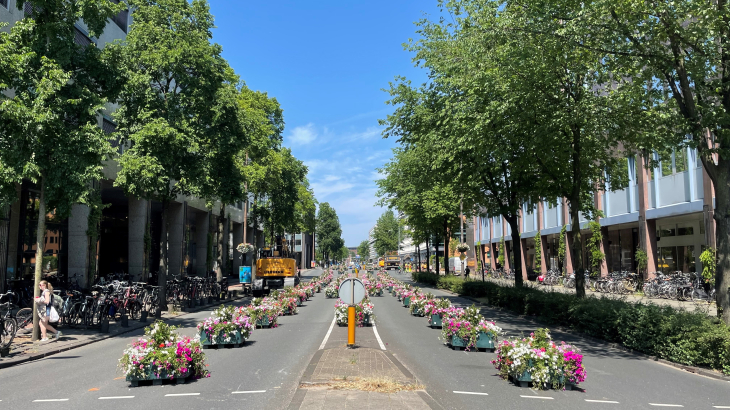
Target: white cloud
{"points": [[369, 132], [330, 178], [303, 135], [323, 190]]}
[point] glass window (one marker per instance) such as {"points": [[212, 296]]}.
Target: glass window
{"points": [[627, 250], [686, 257], [680, 160], [702, 227], [667, 230], [685, 230], [668, 259]]}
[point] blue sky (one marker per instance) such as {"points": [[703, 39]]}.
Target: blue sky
{"points": [[326, 63]]}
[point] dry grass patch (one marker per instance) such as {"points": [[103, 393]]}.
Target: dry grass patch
{"points": [[375, 384]]}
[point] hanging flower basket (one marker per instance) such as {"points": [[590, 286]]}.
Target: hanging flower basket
{"points": [[462, 247], [244, 248]]}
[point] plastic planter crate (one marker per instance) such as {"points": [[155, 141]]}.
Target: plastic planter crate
{"points": [[263, 322], [155, 379], [457, 342], [235, 338], [407, 301], [436, 321], [485, 341]]}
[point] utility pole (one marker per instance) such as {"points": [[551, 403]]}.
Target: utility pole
{"points": [[461, 221]]}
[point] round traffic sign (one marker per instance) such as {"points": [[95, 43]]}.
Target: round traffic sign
{"points": [[352, 291]]}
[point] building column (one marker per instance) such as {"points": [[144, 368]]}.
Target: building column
{"points": [[647, 228], [175, 238], [604, 247], [523, 243], [136, 226], [493, 259], [709, 209], [13, 240], [568, 253], [237, 238], [78, 246], [543, 239], [201, 240]]}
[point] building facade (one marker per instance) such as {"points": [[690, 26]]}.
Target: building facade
{"points": [[666, 211]]}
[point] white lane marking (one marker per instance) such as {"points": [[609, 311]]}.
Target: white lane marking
{"points": [[665, 405], [116, 397], [250, 391], [182, 394], [470, 392], [377, 336], [602, 401], [537, 397], [717, 407], [39, 401], [324, 342]]}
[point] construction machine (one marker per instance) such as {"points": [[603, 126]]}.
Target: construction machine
{"points": [[275, 268]]}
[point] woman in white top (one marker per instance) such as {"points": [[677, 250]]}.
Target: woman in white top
{"points": [[45, 302]]}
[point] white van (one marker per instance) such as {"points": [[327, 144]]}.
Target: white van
{"points": [[455, 265]]}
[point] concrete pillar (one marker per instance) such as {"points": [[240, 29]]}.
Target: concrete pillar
{"points": [[78, 246], [493, 258], [175, 238], [604, 248], [201, 240], [136, 225], [226, 247], [523, 262], [543, 238], [647, 229], [13, 239], [568, 255], [709, 209], [237, 239]]}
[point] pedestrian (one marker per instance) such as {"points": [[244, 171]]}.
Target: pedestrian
{"points": [[466, 273], [45, 304]]}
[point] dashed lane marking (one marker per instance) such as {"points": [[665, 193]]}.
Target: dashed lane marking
{"points": [[602, 401], [247, 392], [324, 342], [717, 407], [665, 405], [116, 397], [44, 400], [182, 394], [470, 392], [377, 336], [537, 397]]}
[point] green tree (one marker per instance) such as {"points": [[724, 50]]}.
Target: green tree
{"points": [[364, 250], [593, 246], [538, 252], [329, 232], [48, 122], [385, 233], [677, 53], [173, 74]]}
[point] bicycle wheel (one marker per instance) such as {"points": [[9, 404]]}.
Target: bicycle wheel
{"points": [[7, 333], [135, 310], [24, 318]]}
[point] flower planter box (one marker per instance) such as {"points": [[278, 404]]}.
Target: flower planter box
{"points": [[299, 302], [380, 292], [390, 289], [263, 322], [407, 301], [485, 341], [523, 380], [436, 321], [155, 379], [457, 343], [416, 312], [235, 340], [366, 320]]}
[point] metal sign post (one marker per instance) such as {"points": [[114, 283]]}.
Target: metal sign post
{"points": [[353, 291]]}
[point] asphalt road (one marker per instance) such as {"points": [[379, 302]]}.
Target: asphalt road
{"points": [[262, 374], [616, 379]]}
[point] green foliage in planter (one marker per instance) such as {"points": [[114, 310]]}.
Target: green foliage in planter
{"points": [[500, 258], [709, 265], [593, 245], [561, 247], [641, 261]]}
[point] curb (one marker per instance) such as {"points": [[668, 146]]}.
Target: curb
{"points": [[702, 371], [4, 365]]}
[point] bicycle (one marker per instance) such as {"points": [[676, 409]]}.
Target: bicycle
{"points": [[8, 325]]}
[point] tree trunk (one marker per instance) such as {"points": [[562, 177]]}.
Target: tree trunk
{"points": [[220, 232], [428, 256], [210, 247], [162, 274], [446, 247], [40, 238], [722, 219], [438, 271], [576, 252], [513, 222], [418, 250]]}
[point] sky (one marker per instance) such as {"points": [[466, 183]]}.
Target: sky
{"points": [[327, 63]]}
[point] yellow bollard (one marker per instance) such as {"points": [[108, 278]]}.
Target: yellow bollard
{"points": [[351, 326]]}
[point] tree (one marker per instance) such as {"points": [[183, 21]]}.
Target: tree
{"points": [[678, 55], [364, 250], [329, 232], [55, 89], [385, 233], [172, 75]]}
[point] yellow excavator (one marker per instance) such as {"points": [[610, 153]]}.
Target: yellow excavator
{"points": [[275, 268]]}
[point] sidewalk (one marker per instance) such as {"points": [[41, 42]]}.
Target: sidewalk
{"points": [[364, 377], [22, 349]]}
